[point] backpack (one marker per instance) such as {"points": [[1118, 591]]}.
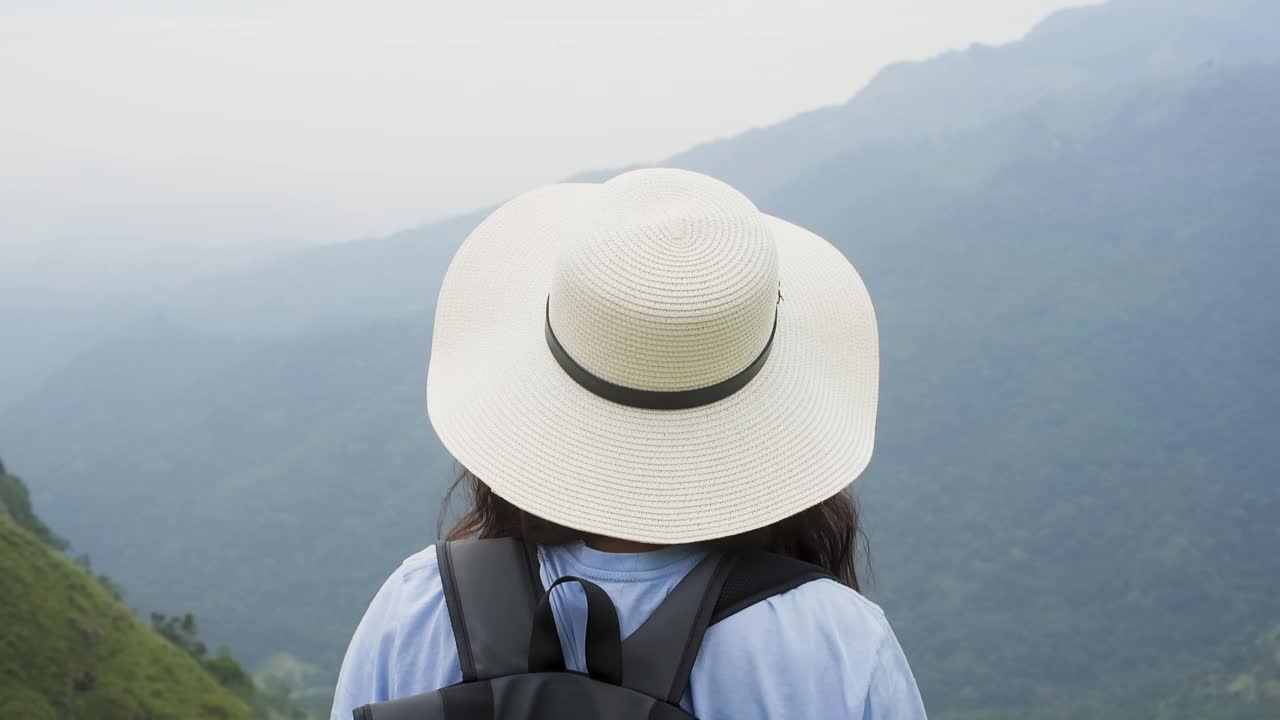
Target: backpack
{"points": [[513, 667]]}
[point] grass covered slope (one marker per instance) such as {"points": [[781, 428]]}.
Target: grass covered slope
{"points": [[71, 651], [15, 504]]}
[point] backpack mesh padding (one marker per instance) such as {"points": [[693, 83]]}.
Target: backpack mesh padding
{"points": [[758, 576]]}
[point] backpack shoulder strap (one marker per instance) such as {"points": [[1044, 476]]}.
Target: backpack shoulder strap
{"points": [[658, 658], [491, 588], [759, 576]]}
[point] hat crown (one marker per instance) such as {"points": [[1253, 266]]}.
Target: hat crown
{"points": [[671, 284]]}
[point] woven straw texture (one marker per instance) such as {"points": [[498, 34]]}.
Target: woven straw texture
{"points": [[658, 280]]}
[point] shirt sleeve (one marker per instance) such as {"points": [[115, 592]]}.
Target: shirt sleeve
{"points": [[366, 673], [820, 651], [892, 693], [378, 666]]}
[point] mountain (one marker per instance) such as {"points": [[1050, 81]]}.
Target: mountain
{"points": [[1077, 50], [1071, 505], [66, 294], [328, 286], [251, 459], [71, 650], [15, 506]]}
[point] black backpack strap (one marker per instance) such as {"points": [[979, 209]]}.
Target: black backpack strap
{"points": [[491, 588], [658, 657], [758, 576], [604, 643]]}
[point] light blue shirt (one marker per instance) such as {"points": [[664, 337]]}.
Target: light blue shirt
{"points": [[819, 651]]}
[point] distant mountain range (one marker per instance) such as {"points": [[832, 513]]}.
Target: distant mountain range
{"points": [[1075, 51], [1071, 244]]}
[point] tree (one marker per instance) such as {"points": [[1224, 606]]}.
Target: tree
{"points": [[181, 631]]}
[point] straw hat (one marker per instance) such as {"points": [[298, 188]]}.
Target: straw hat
{"points": [[653, 359]]}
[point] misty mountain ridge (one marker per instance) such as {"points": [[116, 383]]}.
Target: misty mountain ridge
{"points": [[1077, 51], [1071, 507], [1072, 51], [69, 293]]}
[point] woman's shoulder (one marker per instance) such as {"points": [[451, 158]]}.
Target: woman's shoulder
{"points": [[822, 611], [423, 562], [839, 601], [413, 593], [416, 577], [821, 650]]}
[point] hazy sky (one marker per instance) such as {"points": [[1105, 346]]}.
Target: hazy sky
{"points": [[242, 121]]}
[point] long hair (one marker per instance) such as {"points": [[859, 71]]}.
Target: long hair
{"points": [[827, 535]]}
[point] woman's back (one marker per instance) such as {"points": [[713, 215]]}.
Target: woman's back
{"points": [[616, 364], [819, 651]]}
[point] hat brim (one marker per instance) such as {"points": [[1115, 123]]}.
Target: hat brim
{"points": [[800, 432]]}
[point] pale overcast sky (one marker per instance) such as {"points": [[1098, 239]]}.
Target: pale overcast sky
{"points": [[241, 121]]}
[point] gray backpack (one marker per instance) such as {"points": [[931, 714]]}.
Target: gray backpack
{"points": [[512, 664]]}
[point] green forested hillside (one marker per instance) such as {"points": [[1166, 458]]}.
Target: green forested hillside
{"points": [[71, 651], [1073, 501], [1072, 505], [1244, 683], [15, 504], [276, 465]]}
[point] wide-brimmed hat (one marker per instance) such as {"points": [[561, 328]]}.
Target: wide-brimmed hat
{"points": [[653, 359]]}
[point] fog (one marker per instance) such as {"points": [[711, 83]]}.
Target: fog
{"points": [[138, 125]]}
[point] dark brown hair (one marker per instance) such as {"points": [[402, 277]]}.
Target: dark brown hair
{"points": [[827, 534]]}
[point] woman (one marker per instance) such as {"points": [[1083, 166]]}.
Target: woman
{"points": [[636, 374]]}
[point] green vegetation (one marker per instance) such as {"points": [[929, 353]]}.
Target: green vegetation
{"points": [[15, 504], [1246, 685], [301, 683], [1073, 503], [271, 699], [70, 650]]}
